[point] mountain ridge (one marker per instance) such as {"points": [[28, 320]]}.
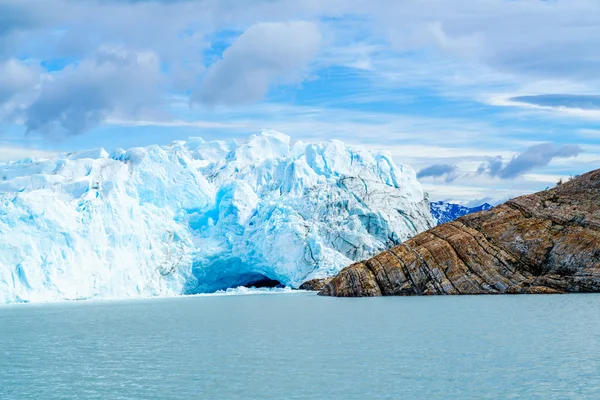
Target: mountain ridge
{"points": [[546, 242], [443, 211]]}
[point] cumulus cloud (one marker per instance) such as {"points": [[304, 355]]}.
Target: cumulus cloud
{"points": [[112, 81], [267, 53], [539, 155], [438, 171], [16, 77], [531, 40], [542, 39]]}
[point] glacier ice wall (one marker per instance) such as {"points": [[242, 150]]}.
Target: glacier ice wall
{"points": [[197, 217]]}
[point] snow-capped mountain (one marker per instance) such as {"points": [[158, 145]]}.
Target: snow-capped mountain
{"points": [[198, 216], [443, 212]]}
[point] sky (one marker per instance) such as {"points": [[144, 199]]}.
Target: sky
{"points": [[485, 99]]}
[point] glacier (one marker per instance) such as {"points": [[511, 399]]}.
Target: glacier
{"points": [[198, 217]]}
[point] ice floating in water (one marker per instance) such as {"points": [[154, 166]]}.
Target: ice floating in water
{"points": [[198, 217], [243, 291]]}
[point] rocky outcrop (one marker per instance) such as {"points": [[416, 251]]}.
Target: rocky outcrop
{"points": [[547, 242], [315, 284]]}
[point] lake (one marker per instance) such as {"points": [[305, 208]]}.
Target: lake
{"points": [[301, 346]]}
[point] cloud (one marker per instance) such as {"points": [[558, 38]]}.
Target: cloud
{"points": [[113, 82], [539, 155], [9, 154], [484, 200], [492, 166], [583, 102], [466, 49], [439, 170], [541, 39], [15, 15], [427, 34], [16, 77], [182, 124], [573, 105], [589, 133], [25, 26], [267, 53]]}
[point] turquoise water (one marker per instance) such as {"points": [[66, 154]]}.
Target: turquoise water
{"points": [[300, 346]]}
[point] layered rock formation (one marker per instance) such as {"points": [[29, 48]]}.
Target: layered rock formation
{"points": [[315, 284], [547, 242]]}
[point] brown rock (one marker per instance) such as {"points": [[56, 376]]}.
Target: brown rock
{"points": [[547, 242], [315, 284]]}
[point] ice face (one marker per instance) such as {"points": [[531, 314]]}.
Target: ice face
{"points": [[196, 217]]}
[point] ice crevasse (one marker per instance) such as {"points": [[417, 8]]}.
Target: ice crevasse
{"points": [[196, 217]]}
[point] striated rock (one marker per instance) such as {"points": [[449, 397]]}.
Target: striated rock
{"points": [[315, 284], [547, 242]]}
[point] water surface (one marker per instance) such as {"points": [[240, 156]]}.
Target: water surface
{"points": [[300, 346]]}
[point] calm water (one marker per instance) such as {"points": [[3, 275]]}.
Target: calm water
{"points": [[300, 346]]}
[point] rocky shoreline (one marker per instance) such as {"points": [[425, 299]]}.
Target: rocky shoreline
{"points": [[315, 284], [547, 242]]}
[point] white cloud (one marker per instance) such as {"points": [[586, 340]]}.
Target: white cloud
{"points": [[479, 43], [465, 192], [8, 154], [111, 82], [267, 53], [509, 101], [461, 50], [590, 133], [179, 124], [16, 78], [536, 39]]}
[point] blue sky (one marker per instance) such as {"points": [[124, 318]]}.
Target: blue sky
{"points": [[488, 99]]}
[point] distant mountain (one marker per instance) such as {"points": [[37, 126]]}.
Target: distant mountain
{"points": [[443, 212]]}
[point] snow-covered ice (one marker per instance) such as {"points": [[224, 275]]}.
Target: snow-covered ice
{"points": [[197, 217]]}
